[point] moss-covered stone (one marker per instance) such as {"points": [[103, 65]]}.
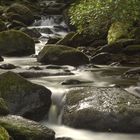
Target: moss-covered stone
{"points": [[117, 31], [16, 43], [24, 13], [62, 55], [3, 107], [23, 97], [106, 109], [23, 129], [4, 134]]}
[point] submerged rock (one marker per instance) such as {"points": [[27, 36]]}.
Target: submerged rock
{"points": [[23, 97], [16, 43], [62, 55], [7, 66], [102, 109], [64, 138], [23, 129]]}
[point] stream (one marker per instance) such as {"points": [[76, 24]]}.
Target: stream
{"points": [[99, 76]]}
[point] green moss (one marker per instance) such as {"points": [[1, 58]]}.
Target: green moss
{"points": [[117, 31], [3, 107], [3, 134], [16, 43], [23, 129]]}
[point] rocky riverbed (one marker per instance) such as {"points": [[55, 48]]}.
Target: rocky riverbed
{"points": [[52, 76]]}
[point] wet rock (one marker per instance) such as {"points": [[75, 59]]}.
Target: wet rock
{"points": [[16, 43], [64, 138], [106, 109], [53, 40], [72, 82], [23, 97], [23, 129], [34, 33], [118, 46], [132, 49], [3, 107], [35, 68], [54, 67], [1, 59], [20, 13], [133, 72], [61, 55], [45, 30], [4, 134], [16, 25], [98, 43], [7, 66], [38, 73], [101, 58]]}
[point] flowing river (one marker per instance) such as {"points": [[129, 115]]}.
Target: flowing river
{"points": [[99, 76]]}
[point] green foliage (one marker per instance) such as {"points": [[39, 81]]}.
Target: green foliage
{"points": [[3, 134], [118, 30], [92, 15]]}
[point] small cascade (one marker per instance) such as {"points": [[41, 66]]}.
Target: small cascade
{"points": [[51, 26]]}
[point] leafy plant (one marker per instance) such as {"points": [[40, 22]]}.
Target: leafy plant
{"points": [[95, 15]]}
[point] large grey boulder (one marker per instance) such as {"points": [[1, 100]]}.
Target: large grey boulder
{"points": [[102, 109], [16, 43], [23, 97]]}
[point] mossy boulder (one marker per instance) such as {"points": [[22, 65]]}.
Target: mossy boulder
{"points": [[62, 55], [23, 129], [23, 97], [3, 107], [102, 109], [23, 13], [4, 134], [118, 30], [16, 43]]}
